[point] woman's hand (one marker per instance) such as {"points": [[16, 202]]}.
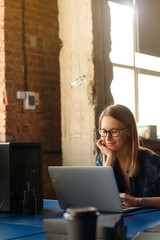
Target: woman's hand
{"points": [[110, 156], [128, 200]]}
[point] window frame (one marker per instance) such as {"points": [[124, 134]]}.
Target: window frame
{"points": [[137, 70]]}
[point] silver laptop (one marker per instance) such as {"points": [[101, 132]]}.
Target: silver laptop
{"points": [[86, 186]]}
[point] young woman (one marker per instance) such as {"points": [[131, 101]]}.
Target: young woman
{"points": [[137, 170]]}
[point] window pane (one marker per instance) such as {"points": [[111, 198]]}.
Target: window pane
{"points": [[122, 87], [147, 62], [121, 34], [149, 112]]}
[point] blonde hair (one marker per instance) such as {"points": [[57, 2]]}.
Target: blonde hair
{"points": [[124, 115]]}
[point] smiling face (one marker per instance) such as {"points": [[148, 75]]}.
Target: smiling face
{"points": [[115, 143]]}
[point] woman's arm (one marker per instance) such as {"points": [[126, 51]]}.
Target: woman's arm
{"points": [[128, 200]]}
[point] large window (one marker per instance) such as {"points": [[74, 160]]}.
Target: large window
{"points": [[136, 76]]}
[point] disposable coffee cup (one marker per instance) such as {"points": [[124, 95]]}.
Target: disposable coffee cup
{"points": [[81, 223]]}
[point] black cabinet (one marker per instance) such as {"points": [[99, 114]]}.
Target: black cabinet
{"points": [[20, 170]]}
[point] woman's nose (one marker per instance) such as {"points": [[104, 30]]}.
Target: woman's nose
{"points": [[108, 136], [103, 138]]}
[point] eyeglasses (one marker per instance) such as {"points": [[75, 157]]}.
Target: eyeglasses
{"points": [[113, 132]]}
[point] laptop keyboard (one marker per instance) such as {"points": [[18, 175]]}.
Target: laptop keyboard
{"points": [[128, 208]]}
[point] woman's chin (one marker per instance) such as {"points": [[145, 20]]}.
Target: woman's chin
{"points": [[113, 149]]}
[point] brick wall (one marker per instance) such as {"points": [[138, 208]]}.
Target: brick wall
{"points": [[31, 64], [3, 99]]}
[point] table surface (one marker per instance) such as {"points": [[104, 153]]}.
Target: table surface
{"points": [[16, 225]]}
